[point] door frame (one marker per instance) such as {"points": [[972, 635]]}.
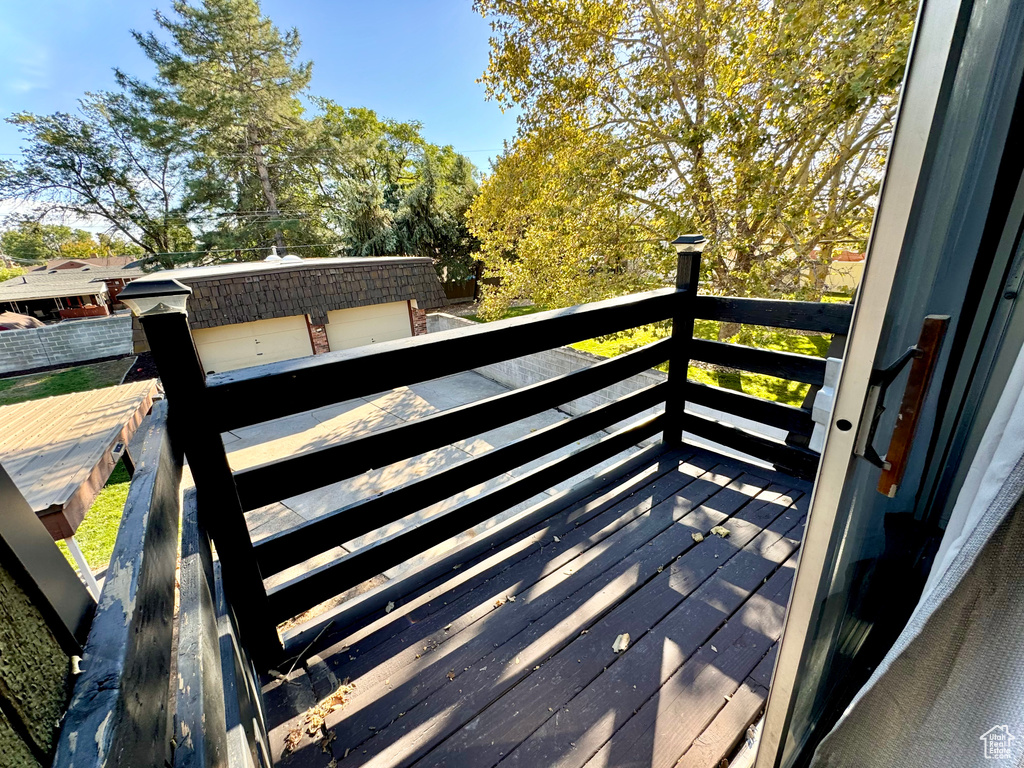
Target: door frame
{"points": [[934, 49]]}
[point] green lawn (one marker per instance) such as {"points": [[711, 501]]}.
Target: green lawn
{"points": [[767, 387], [527, 309], [99, 529], [78, 379]]}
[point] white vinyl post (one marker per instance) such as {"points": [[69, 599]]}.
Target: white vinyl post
{"points": [[83, 566], [822, 411]]}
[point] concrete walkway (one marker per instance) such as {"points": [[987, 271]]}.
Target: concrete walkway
{"points": [[315, 429]]}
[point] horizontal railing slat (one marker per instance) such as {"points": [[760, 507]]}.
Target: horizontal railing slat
{"points": [[800, 462], [285, 549], [304, 472], [749, 407], [312, 588], [240, 398], [534, 522], [783, 365], [795, 315]]}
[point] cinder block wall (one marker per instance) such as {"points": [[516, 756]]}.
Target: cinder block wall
{"points": [[531, 369], [65, 343]]}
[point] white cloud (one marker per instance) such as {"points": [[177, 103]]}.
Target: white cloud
{"points": [[29, 70]]}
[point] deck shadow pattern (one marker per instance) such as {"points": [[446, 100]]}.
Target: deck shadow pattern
{"points": [[510, 660]]}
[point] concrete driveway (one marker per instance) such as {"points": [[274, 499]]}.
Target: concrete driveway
{"points": [[308, 431]]}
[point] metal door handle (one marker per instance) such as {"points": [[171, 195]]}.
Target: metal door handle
{"points": [[924, 355]]}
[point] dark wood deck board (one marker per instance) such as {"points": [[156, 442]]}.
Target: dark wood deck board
{"points": [[721, 738], [402, 681], [464, 676], [501, 570], [669, 722]]}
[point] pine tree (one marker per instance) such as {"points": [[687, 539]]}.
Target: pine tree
{"points": [[231, 78]]}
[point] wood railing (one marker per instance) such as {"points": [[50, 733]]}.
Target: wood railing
{"points": [[119, 711], [201, 409]]}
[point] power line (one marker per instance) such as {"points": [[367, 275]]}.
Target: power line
{"points": [[246, 248]]}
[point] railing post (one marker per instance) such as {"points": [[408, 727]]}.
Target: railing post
{"points": [[689, 249], [161, 308]]}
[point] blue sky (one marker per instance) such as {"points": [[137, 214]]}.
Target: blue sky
{"points": [[406, 59]]}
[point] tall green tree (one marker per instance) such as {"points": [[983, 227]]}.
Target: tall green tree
{"points": [[761, 124], [392, 192], [111, 162], [232, 81], [432, 218]]}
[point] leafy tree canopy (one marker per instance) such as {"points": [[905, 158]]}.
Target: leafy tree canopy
{"points": [[112, 162], [763, 125], [31, 241]]}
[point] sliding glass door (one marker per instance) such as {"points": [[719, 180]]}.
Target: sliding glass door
{"points": [[945, 244]]}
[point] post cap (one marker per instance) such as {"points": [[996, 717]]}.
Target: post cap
{"points": [[690, 243], [158, 296]]}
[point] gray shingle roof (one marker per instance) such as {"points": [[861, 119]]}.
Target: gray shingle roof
{"points": [[62, 282], [239, 293]]}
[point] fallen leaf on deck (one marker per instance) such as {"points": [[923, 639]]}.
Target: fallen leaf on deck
{"points": [[621, 643], [498, 603], [714, 649], [390, 608], [451, 675], [719, 530], [510, 598], [698, 537], [557, 539]]}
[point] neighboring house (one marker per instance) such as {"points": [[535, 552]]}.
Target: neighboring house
{"points": [[96, 261], [69, 290], [844, 271], [264, 312], [128, 268]]}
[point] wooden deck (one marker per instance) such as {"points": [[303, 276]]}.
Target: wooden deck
{"points": [[60, 450], [510, 659]]}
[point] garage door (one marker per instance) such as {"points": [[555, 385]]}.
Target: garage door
{"points": [[348, 328], [245, 344]]}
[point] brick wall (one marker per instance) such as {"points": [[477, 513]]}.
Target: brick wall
{"points": [[419, 321], [318, 335], [71, 341]]}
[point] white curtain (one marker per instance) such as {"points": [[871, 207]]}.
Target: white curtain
{"points": [[950, 692]]}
